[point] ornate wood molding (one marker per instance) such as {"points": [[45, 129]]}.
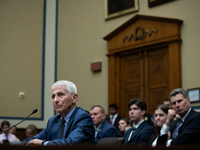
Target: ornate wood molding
{"points": [[140, 34]]}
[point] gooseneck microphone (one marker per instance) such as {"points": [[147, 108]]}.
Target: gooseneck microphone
{"points": [[33, 112]]}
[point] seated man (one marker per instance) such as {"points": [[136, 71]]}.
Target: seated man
{"points": [[102, 127], [6, 135], [186, 129], [114, 117], [73, 125], [141, 131]]}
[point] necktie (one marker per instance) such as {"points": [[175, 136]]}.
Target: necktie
{"points": [[178, 125], [6, 137], [62, 128], [111, 119], [131, 134]]}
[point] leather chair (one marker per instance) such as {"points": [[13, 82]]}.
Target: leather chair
{"points": [[113, 141]]}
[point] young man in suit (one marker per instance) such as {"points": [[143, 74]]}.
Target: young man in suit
{"points": [[186, 129], [114, 117], [141, 130], [103, 129], [73, 125]]}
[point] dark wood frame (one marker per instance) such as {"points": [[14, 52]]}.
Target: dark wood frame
{"points": [[153, 3], [120, 11], [192, 90]]}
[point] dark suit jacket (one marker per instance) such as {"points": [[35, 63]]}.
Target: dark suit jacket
{"points": [[141, 136], [116, 121], [80, 129], [189, 132], [107, 130]]}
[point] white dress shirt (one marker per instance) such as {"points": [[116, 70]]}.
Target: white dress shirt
{"points": [[164, 130], [135, 126], [11, 137], [114, 118]]}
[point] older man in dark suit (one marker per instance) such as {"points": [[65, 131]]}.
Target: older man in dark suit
{"points": [[103, 129], [184, 130], [141, 130], [73, 125]]}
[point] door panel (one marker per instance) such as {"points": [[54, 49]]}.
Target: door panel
{"points": [[144, 75], [157, 66], [130, 80]]}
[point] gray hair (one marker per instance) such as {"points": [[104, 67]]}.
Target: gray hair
{"points": [[178, 91], [70, 87]]}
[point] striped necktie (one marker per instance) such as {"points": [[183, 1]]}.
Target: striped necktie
{"points": [[62, 129], [178, 125]]}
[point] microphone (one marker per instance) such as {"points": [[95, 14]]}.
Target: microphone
{"points": [[33, 112]]}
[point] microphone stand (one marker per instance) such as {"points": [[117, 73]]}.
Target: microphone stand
{"points": [[34, 111]]}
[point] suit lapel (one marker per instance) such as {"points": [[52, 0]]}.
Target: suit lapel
{"points": [[138, 130], [187, 119], [70, 122], [55, 129], [99, 131]]}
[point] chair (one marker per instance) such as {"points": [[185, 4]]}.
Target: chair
{"points": [[112, 141]]}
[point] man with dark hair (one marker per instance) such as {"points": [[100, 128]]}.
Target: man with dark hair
{"points": [[102, 128], [114, 117], [6, 135], [186, 129], [141, 131]]}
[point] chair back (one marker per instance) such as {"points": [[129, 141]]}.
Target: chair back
{"points": [[112, 141]]}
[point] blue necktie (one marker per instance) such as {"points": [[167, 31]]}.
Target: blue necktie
{"points": [[6, 137], [62, 129], [178, 125]]}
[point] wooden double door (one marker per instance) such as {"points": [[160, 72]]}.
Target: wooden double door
{"points": [[144, 61], [144, 75]]}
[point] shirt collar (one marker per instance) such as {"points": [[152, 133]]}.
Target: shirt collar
{"points": [[115, 116], [137, 125], [97, 128], [69, 115], [183, 119]]}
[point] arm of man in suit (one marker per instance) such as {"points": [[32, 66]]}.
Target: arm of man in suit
{"points": [[190, 134], [112, 132], [81, 131]]}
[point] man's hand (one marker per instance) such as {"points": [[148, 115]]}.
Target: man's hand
{"points": [[170, 116], [35, 142]]}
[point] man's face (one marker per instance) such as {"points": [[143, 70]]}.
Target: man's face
{"points": [[29, 133], [112, 111], [180, 104], [136, 114], [5, 127], [97, 116], [63, 101]]}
